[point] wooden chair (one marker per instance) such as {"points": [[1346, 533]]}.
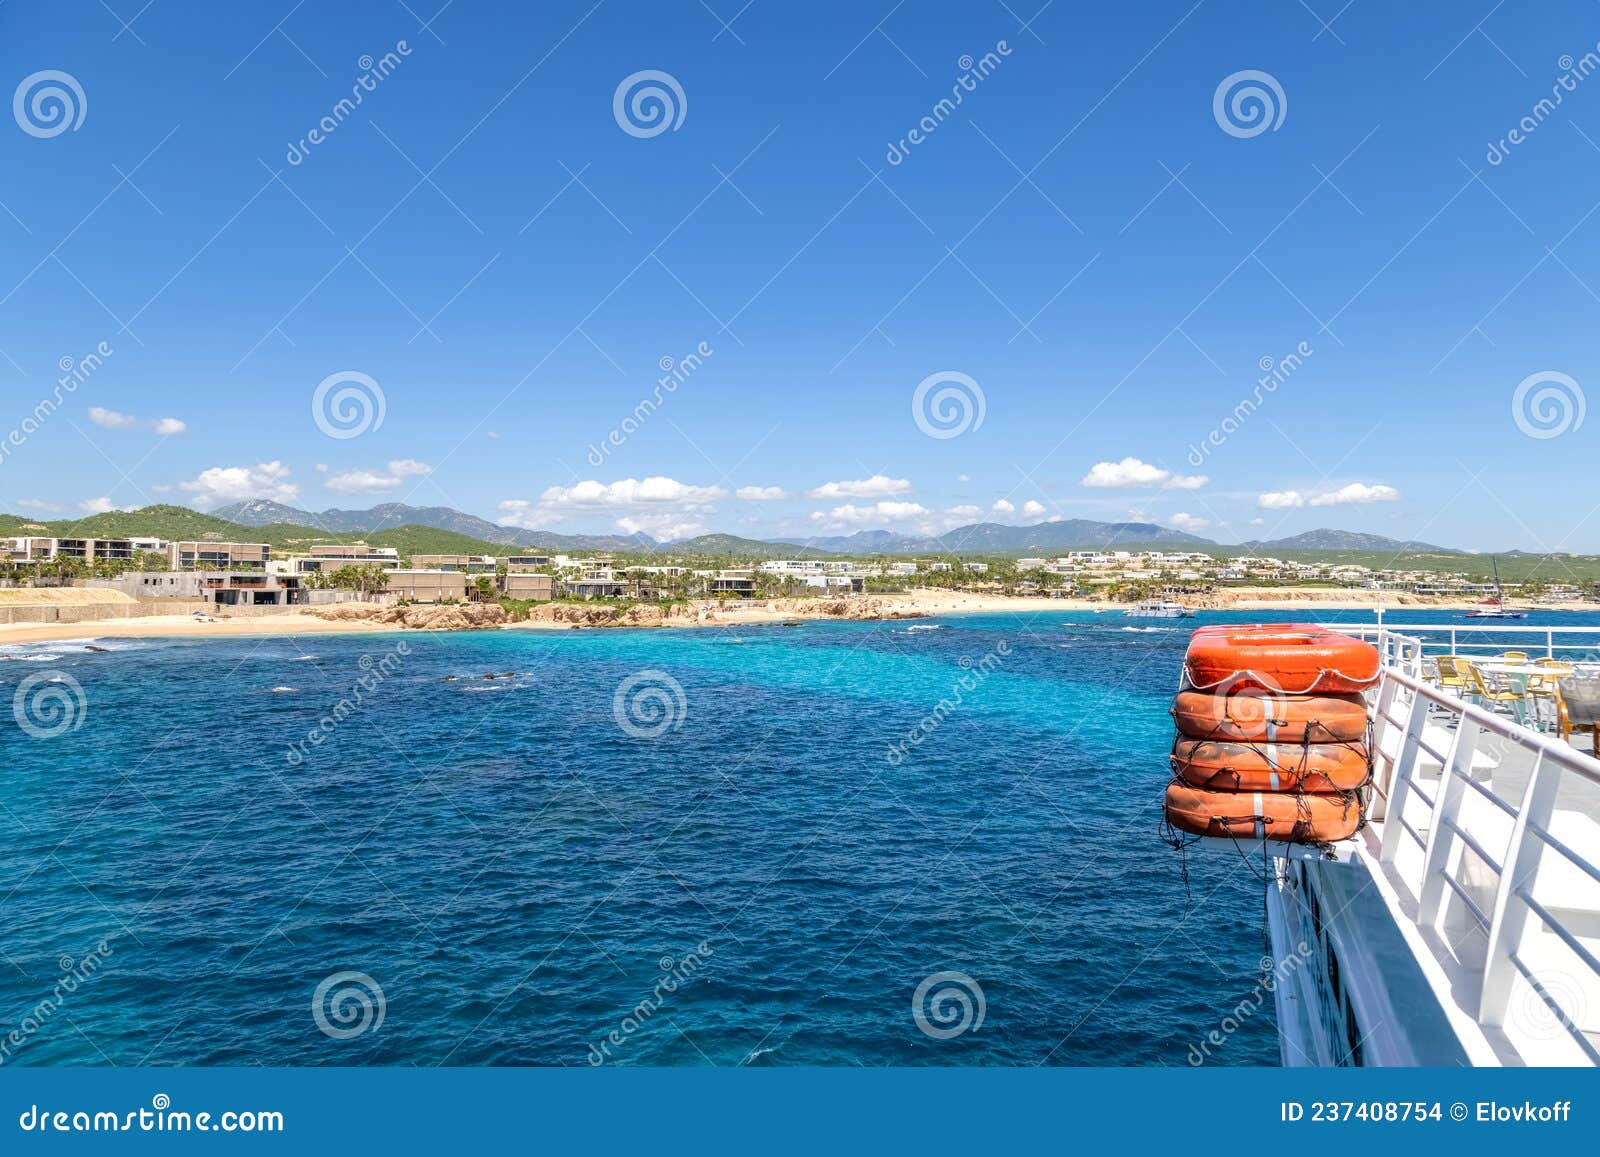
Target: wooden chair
{"points": [[1513, 658]]}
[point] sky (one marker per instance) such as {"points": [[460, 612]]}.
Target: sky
{"points": [[1242, 269]]}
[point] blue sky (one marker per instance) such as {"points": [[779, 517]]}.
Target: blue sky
{"points": [[1081, 239]]}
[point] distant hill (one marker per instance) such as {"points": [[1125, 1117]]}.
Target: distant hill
{"points": [[393, 515], [744, 547], [1000, 538], [1327, 539]]}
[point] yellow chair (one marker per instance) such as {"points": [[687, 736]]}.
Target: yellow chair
{"points": [[1449, 675], [1544, 688], [1560, 666], [1488, 693], [1513, 657]]}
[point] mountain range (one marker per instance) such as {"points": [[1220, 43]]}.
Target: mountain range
{"points": [[443, 529]]}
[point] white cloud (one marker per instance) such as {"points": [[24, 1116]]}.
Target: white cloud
{"points": [[1280, 500], [1032, 509], [375, 481], [1357, 494], [852, 517], [1258, 522], [1131, 472], [1004, 507], [96, 505], [963, 478], [115, 420], [112, 420], [637, 504], [39, 504], [956, 515], [1189, 522], [760, 493], [663, 527], [268, 480], [878, 486]]}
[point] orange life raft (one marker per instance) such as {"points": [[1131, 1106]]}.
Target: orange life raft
{"points": [[1252, 767], [1251, 714], [1306, 819], [1298, 658]]}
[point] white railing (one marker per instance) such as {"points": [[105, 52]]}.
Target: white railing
{"points": [[1425, 826], [1553, 642]]}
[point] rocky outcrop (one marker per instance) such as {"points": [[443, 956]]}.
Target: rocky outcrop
{"points": [[480, 615], [473, 616]]}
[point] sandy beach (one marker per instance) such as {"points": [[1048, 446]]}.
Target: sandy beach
{"points": [[1296, 603]]}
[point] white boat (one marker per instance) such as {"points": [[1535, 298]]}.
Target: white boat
{"points": [[1461, 924], [1159, 609]]}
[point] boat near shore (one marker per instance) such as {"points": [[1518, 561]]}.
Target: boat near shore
{"points": [[1159, 609]]}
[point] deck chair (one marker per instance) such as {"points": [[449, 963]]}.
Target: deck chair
{"points": [[1578, 708], [1513, 657], [1450, 676], [1490, 692]]}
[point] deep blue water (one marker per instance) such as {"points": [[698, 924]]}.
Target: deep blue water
{"points": [[513, 868]]}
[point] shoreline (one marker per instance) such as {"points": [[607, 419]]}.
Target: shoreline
{"points": [[709, 613]]}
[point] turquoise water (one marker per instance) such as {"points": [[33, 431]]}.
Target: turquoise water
{"points": [[528, 881]]}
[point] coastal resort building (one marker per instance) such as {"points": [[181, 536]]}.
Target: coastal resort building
{"points": [[217, 555], [537, 587], [466, 563], [332, 557], [426, 586], [246, 589], [527, 562]]}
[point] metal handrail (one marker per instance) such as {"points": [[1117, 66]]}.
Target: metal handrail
{"points": [[1542, 637], [1408, 704]]}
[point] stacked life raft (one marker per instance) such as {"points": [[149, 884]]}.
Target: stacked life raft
{"points": [[1273, 737]]}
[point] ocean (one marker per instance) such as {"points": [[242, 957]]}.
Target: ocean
{"points": [[930, 842]]}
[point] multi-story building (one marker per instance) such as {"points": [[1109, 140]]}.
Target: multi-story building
{"points": [[527, 562], [217, 555], [466, 563], [523, 585], [336, 555], [426, 586]]}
